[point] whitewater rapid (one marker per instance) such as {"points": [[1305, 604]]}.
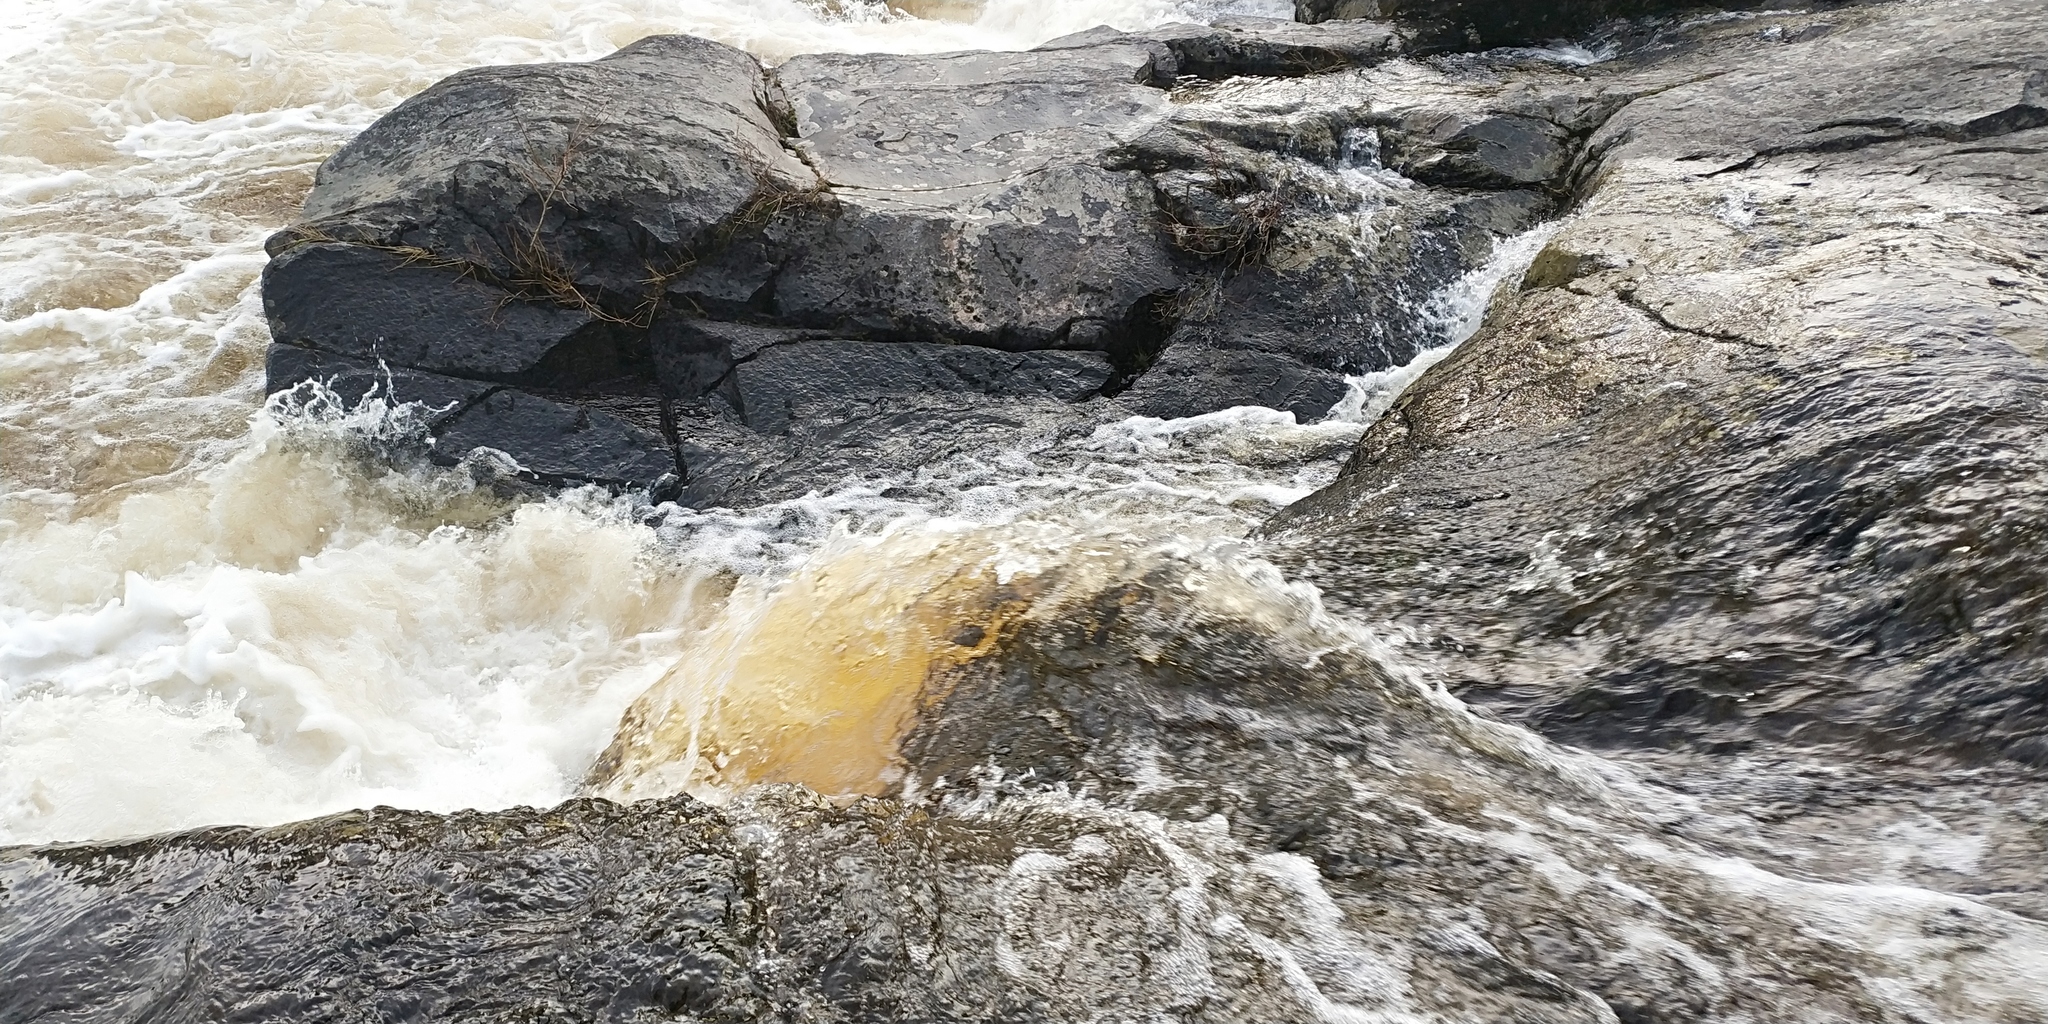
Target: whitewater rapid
{"points": [[214, 611]]}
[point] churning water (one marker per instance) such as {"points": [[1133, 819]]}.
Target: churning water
{"points": [[215, 610]]}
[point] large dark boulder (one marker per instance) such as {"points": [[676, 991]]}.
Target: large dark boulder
{"points": [[568, 182], [511, 225], [632, 243]]}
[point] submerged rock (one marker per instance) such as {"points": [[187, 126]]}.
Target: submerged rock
{"points": [[1131, 798]]}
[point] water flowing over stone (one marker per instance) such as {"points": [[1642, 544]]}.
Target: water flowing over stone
{"points": [[1100, 511]]}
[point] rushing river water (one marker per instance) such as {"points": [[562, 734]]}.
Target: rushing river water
{"points": [[217, 610], [215, 613]]}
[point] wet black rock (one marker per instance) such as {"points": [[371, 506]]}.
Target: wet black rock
{"points": [[817, 382], [370, 304], [1263, 47], [1488, 151], [1438, 25], [559, 443], [552, 443]]}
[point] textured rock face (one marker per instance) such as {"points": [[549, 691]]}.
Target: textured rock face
{"points": [[1471, 24], [390, 915], [972, 206], [1757, 446], [629, 245]]}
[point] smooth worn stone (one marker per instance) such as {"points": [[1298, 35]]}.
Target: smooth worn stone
{"points": [[557, 442], [826, 382], [373, 304]]}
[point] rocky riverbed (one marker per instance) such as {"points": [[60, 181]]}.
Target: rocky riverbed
{"points": [[1395, 518]]}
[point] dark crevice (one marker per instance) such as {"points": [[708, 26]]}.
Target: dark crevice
{"points": [[1143, 335], [2011, 120], [781, 112], [674, 437], [1628, 298], [441, 422]]}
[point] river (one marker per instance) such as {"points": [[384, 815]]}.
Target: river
{"points": [[221, 610]]}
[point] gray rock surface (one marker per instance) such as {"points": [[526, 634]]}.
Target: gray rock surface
{"points": [[586, 910], [1757, 445]]}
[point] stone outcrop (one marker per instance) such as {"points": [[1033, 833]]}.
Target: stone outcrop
{"points": [[1755, 450], [672, 262], [1436, 25]]}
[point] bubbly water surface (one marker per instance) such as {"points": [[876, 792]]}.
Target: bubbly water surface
{"points": [[214, 611], [217, 612]]}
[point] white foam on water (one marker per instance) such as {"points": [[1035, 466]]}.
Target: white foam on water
{"points": [[208, 621], [216, 612], [1456, 313]]}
